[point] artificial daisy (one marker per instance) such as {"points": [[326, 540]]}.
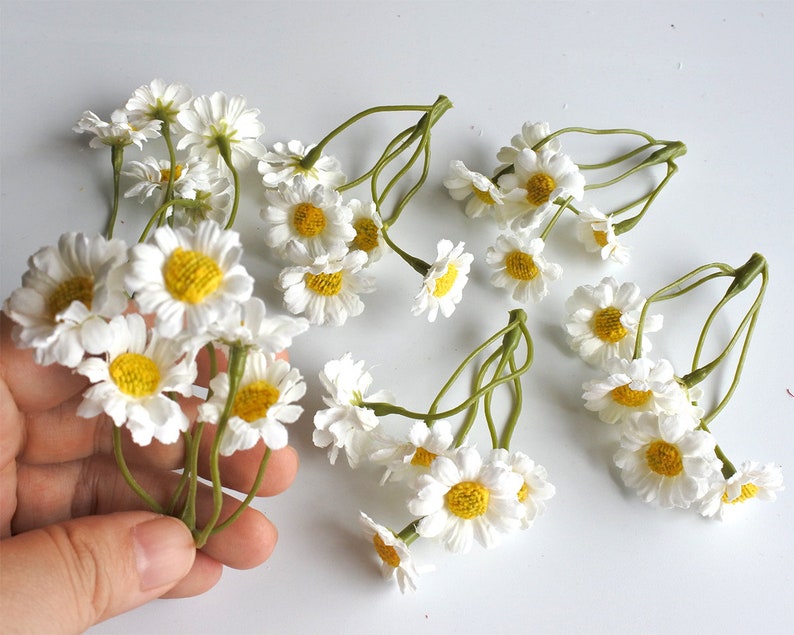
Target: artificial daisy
{"points": [[539, 179], [135, 380], [596, 232], [602, 321], [521, 268], [67, 295], [346, 424], [211, 203], [464, 499], [264, 402], [325, 288], [368, 226], [666, 459], [635, 385], [395, 556], [283, 164], [535, 490], [157, 101], [117, 132], [188, 279], [442, 287], [462, 183], [221, 129], [312, 215], [532, 133], [752, 481], [413, 454], [152, 174]]}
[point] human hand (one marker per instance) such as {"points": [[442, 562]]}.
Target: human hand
{"points": [[76, 547]]}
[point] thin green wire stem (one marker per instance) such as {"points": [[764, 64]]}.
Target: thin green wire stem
{"points": [[388, 155], [471, 415], [518, 392], [628, 224], [555, 218], [117, 160], [118, 452], [251, 494]]}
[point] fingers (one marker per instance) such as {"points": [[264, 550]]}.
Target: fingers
{"points": [[75, 574]]}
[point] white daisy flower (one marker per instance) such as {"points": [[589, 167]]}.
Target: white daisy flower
{"points": [[666, 459], [635, 385], [312, 215], [211, 203], [216, 124], [531, 134], [596, 232], [157, 101], [407, 457], [442, 287], [188, 279], [133, 382], [264, 402], [464, 499], [462, 183], [535, 489], [152, 174], [602, 321], [395, 556], [367, 224], [67, 294], [117, 132], [283, 164], [325, 288], [539, 179], [345, 424], [752, 480], [521, 268]]}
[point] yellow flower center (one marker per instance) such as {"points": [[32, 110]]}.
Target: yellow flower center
{"points": [[607, 326], [324, 283], [165, 173], [600, 238], [423, 458], [664, 458], [468, 499], [386, 552], [539, 188], [308, 220], [625, 396], [749, 490], [78, 288], [483, 195], [520, 266], [191, 276], [135, 375], [254, 400], [445, 282], [523, 493], [366, 234]]}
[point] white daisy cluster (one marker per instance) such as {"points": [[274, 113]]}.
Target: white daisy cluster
{"points": [[533, 185], [667, 452]]}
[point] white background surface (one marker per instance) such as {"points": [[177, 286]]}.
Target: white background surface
{"points": [[715, 75]]}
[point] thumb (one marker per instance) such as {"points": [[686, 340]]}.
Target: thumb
{"points": [[65, 578]]}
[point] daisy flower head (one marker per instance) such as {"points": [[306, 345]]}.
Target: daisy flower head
{"points": [[157, 101], [596, 232], [283, 163], [211, 203], [134, 380], [482, 193], [602, 321], [532, 133], [368, 226], [410, 456], [665, 459], [395, 556], [152, 174], [539, 179], [188, 278], [635, 385], [264, 403], [442, 287], [117, 132], [312, 215], [67, 294], [535, 489], [325, 288], [346, 424], [752, 481], [521, 268], [221, 129], [464, 499]]}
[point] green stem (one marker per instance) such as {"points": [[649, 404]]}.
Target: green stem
{"points": [[507, 433], [191, 469], [547, 230], [471, 415], [125, 472], [388, 155], [418, 265], [251, 494], [117, 159], [628, 224]]}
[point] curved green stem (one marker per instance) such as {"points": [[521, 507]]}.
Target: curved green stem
{"points": [[251, 494], [417, 264], [547, 230], [117, 159], [118, 452], [628, 224], [471, 415]]}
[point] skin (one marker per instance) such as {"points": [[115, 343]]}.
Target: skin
{"points": [[77, 546]]}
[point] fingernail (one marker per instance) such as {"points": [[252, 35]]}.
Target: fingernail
{"points": [[164, 551]]}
